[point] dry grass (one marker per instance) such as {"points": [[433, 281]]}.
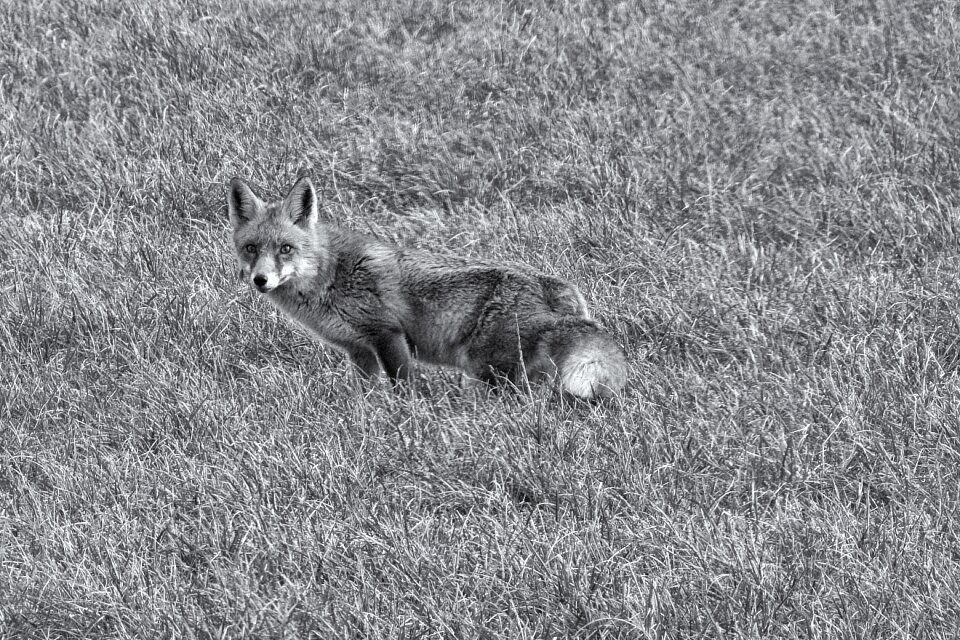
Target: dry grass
{"points": [[759, 199]]}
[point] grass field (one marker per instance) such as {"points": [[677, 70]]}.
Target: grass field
{"points": [[759, 199]]}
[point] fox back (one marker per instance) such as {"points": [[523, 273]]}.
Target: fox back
{"points": [[498, 320]]}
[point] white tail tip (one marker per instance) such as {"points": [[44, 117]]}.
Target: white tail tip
{"points": [[598, 369]]}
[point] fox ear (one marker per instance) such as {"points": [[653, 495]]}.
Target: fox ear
{"points": [[301, 203], [242, 203]]}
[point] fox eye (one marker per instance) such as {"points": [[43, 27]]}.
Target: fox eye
{"points": [[250, 248], [286, 249]]}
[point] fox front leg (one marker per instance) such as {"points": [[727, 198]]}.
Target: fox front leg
{"points": [[394, 354], [364, 359]]}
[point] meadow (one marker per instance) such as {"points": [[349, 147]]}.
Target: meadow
{"points": [[758, 199]]}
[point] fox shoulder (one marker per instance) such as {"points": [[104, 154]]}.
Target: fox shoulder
{"points": [[365, 252], [366, 263]]}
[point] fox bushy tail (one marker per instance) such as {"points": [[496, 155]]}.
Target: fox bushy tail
{"points": [[590, 364]]}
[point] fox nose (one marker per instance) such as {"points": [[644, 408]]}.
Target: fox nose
{"points": [[259, 279]]}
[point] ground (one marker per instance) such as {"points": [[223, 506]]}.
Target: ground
{"points": [[758, 199]]}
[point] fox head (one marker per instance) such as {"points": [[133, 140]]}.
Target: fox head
{"points": [[276, 242]]}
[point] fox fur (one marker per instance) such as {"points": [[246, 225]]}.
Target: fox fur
{"points": [[385, 306]]}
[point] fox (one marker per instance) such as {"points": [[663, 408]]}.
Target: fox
{"points": [[386, 306]]}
